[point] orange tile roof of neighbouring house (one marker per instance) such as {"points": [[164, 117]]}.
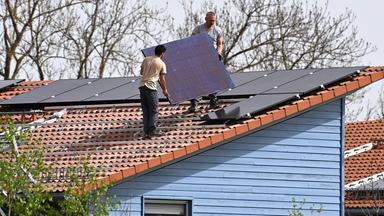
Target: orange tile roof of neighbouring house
{"points": [[365, 164]]}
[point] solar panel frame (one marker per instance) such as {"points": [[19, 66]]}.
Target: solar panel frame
{"points": [[193, 68]]}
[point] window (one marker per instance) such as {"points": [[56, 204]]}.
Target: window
{"points": [[160, 207]]}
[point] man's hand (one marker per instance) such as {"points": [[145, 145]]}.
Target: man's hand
{"points": [[165, 92]]}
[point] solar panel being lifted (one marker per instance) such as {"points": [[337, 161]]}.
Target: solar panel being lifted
{"points": [[193, 68]]}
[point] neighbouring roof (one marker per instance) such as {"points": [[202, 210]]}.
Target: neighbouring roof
{"points": [[111, 134], [366, 164]]}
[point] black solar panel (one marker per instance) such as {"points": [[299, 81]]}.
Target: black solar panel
{"points": [[241, 78], [249, 106], [269, 88], [276, 87], [268, 82], [313, 81], [7, 83], [46, 92], [194, 68], [90, 90], [124, 91]]}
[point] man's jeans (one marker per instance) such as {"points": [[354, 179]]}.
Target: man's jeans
{"points": [[212, 100], [150, 107]]}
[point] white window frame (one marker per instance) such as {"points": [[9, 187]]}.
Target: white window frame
{"points": [[174, 204]]}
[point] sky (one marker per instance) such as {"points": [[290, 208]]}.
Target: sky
{"points": [[368, 20]]}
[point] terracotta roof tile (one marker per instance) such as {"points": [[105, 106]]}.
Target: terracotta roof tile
{"points": [[367, 163], [111, 137]]}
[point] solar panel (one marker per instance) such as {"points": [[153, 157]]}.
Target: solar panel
{"points": [[194, 68], [127, 90], [240, 78], [313, 81], [277, 87], [268, 82], [46, 92], [249, 106], [7, 83], [90, 91]]}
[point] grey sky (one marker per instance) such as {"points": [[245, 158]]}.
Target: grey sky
{"points": [[369, 18], [369, 21]]}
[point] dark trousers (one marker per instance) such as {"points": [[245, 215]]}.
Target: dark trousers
{"points": [[212, 97], [212, 100], [150, 107]]}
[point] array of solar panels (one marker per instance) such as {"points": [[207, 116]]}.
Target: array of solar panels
{"points": [[267, 89], [78, 91], [193, 68], [264, 89]]}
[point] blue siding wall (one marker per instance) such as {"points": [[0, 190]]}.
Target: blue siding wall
{"points": [[258, 174]]}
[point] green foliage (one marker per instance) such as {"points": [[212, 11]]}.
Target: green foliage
{"points": [[23, 177], [298, 208], [11, 133], [21, 188], [79, 201]]}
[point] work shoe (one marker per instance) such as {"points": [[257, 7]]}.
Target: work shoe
{"points": [[157, 133], [213, 104], [146, 137], [192, 109]]}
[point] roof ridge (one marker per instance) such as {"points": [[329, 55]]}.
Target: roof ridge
{"points": [[358, 150], [362, 182]]}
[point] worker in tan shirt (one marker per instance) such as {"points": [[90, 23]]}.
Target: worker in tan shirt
{"points": [[152, 70]]}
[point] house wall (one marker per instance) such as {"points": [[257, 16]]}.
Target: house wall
{"points": [[258, 174]]}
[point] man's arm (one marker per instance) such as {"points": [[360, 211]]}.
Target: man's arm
{"points": [[195, 31], [141, 68], [219, 45], [163, 84]]}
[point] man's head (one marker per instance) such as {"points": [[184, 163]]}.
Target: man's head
{"points": [[160, 50], [210, 19]]}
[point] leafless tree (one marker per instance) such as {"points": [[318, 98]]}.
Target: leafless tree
{"points": [[366, 104], [353, 105], [105, 37], [380, 103], [76, 38], [23, 23], [280, 34]]}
